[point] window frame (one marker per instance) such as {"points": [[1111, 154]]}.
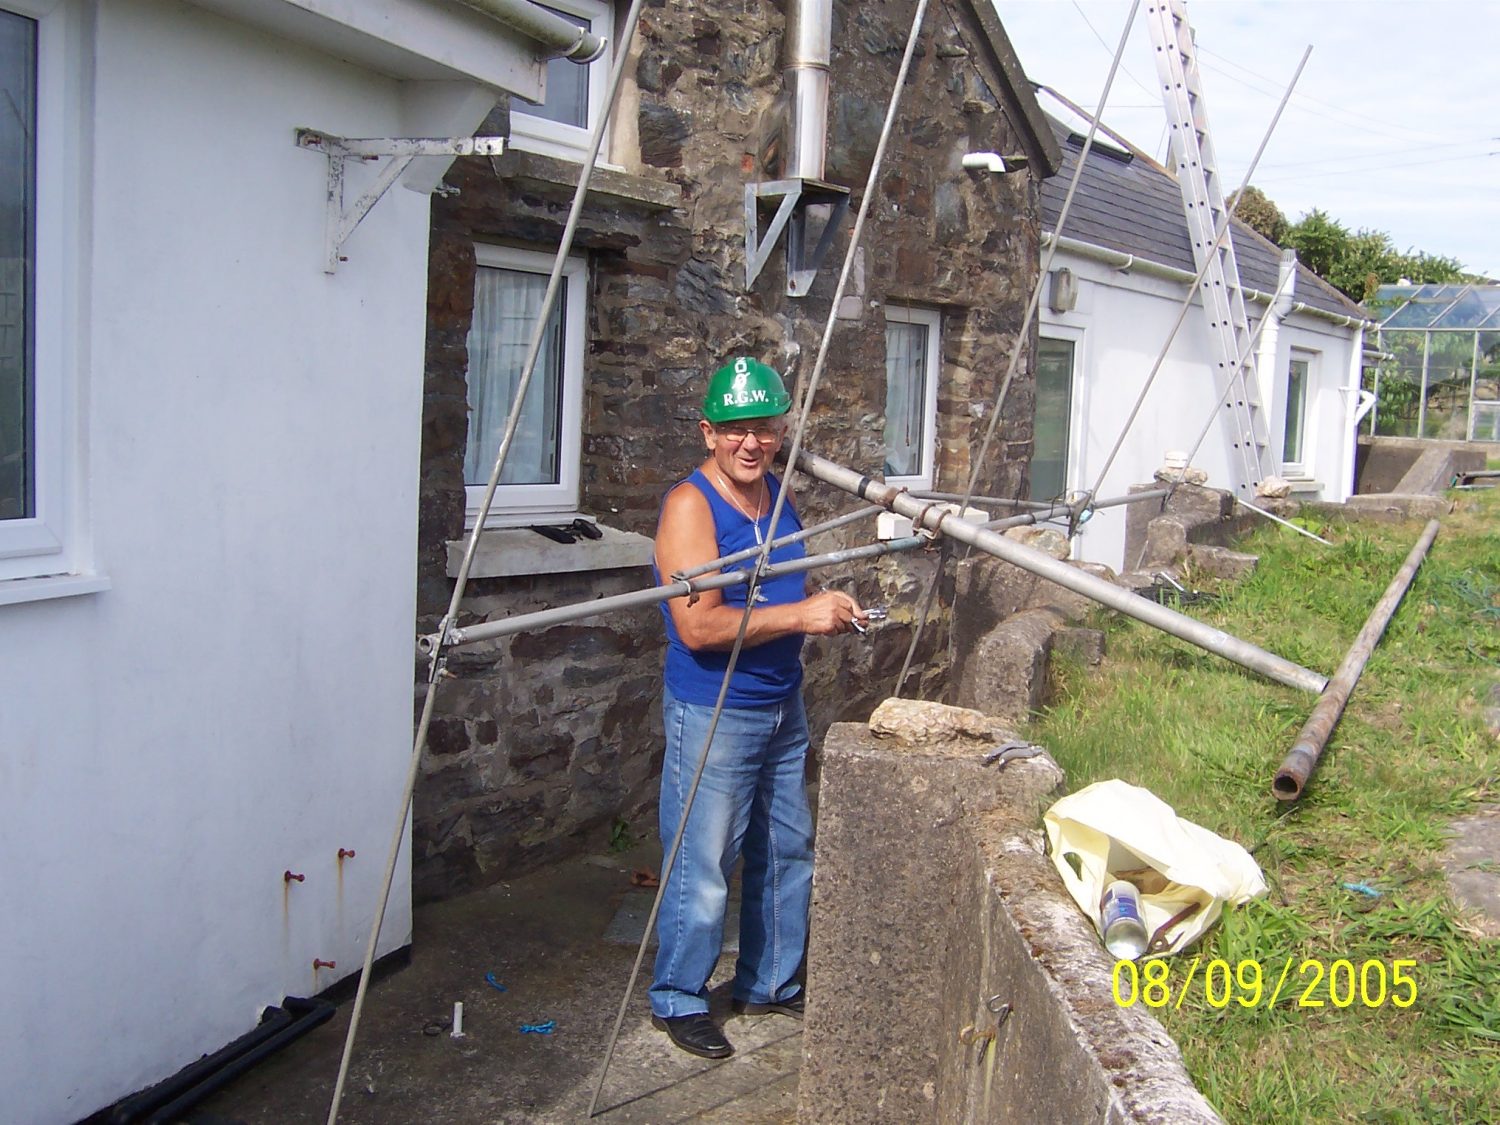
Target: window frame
{"points": [[1300, 468], [524, 503], [570, 142], [932, 320], [1074, 338], [50, 542]]}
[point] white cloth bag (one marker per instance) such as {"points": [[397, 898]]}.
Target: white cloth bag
{"points": [[1114, 830]]}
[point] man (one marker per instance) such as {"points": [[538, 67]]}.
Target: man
{"points": [[752, 795]]}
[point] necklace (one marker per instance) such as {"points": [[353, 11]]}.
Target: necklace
{"points": [[753, 517]]}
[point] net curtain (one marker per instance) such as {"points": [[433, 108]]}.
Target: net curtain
{"points": [[506, 305]]}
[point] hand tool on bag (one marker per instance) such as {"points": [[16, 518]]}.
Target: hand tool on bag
{"points": [[1160, 939]]}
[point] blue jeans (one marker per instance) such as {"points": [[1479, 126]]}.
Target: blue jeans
{"points": [[752, 796]]}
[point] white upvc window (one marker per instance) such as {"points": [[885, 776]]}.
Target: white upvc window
{"points": [[1052, 429], [562, 125], [541, 472], [1296, 457], [41, 532], [913, 360]]}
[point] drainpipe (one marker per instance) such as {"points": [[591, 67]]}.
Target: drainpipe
{"points": [[170, 1099], [1357, 403], [1266, 367], [558, 37], [809, 38]]}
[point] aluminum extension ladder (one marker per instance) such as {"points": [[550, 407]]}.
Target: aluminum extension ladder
{"points": [[1243, 416]]}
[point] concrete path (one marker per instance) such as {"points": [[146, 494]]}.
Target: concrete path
{"points": [[1472, 863], [543, 937]]}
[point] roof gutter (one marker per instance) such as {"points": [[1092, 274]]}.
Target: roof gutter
{"points": [[557, 37], [1123, 261]]}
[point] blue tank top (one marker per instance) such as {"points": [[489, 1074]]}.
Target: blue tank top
{"points": [[767, 673]]}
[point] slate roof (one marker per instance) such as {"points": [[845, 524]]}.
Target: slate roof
{"points": [[1129, 204]]}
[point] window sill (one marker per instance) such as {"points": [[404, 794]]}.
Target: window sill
{"points": [[510, 552], [623, 187], [1304, 484], [18, 590]]}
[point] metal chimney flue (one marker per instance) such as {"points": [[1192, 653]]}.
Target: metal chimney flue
{"points": [[809, 211], [809, 42]]}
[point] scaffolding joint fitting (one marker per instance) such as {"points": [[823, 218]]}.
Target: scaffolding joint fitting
{"points": [[931, 534]]}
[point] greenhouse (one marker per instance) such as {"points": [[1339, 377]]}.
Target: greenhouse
{"points": [[1438, 375]]}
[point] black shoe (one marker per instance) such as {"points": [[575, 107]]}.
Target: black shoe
{"points": [[696, 1034], [792, 1007]]}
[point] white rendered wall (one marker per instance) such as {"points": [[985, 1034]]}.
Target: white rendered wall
{"points": [[238, 703], [1118, 327]]}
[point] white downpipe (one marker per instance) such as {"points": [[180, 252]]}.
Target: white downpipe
{"points": [[809, 49], [1267, 368], [1357, 403]]}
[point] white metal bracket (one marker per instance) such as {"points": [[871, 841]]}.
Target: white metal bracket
{"points": [[795, 198], [399, 151]]}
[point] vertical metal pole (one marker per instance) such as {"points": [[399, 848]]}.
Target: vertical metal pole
{"points": [[1422, 396], [1473, 379]]}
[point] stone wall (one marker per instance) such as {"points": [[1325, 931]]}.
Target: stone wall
{"points": [[542, 741]]}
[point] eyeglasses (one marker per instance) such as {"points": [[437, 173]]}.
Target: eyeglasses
{"points": [[735, 434]]}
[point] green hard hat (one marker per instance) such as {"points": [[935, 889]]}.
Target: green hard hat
{"points": [[745, 388]]}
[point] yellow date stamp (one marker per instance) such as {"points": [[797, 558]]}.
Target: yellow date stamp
{"points": [[1309, 983]]}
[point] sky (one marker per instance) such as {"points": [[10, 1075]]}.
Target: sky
{"points": [[1393, 126]]}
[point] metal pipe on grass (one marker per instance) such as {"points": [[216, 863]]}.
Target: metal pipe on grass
{"points": [[936, 518], [1303, 757]]}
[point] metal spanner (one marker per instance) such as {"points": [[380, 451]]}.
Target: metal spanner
{"points": [[1012, 752]]}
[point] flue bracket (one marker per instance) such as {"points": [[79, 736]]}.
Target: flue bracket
{"points": [[793, 199], [398, 152]]}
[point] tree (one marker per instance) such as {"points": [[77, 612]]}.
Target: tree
{"points": [[1260, 214], [1359, 263]]}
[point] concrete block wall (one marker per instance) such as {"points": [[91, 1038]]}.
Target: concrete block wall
{"points": [[1414, 465], [950, 976]]}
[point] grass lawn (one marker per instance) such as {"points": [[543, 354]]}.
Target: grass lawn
{"points": [[1411, 753]]}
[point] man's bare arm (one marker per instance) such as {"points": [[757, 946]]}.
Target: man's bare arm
{"points": [[685, 539]]}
